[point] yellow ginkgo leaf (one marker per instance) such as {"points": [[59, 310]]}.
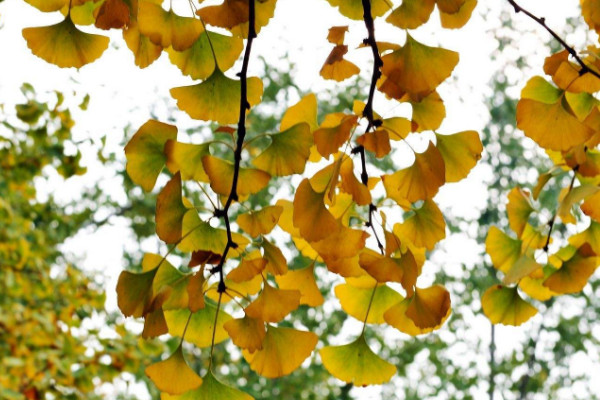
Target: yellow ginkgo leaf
{"points": [[344, 243], [420, 181], [145, 52], [198, 61], [377, 142], [504, 250], [248, 269], [346, 267], [591, 236], [353, 9], [186, 158], [201, 324], [355, 301], [429, 307], [350, 184], [211, 389], [534, 288], [574, 273], [337, 34], [396, 317], [276, 263], [165, 28], [48, 5], [336, 67], [112, 14], [458, 19], [220, 174], [355, 363], [283, 350], [427, 113], [303, 111], [173, 375], [170, 211], [503, 305], [424, 228], [260, 222], [144, 152], [288, 152], [519, 209], [574, 196], [524, 266], [311, 217], [334, 132], [64, 45], [460, 152], [247, 333], [416, 69], [397, 128], [554, 127], [273, 305], [304, 281], [233, 15], [217, 98], [411, 14], [567, 75], [450, 6], [403, 270], [195, 289]]}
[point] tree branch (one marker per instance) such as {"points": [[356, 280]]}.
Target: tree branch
{"points": [[241, 135], [571, 50]]}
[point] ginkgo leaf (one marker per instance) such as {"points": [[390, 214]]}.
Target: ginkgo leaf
{"points": [[145, 52], [311, 216], [460, 153], [355, 363], [391, 269], [82, 12], [303, 111], [535, 288], [144, 152], [203, 257], [217, 98], [574, 273], [377, 142], [420, 181], [524, 266], [449, 6], [568, 76], [337, 34], [553, 126], [397, 128], [396, 317], [416, 69], [233, 15], [186, 158], [288, 152], [220, 174], [336, 67], [276, 263], [353, 9], [134, 292], [355, 301], [195, 289], [247, 333], [199, 235], [283, 350], [170, 211], [201, 324], [350, 184], [574, 196], [591, 236], [458, 19], [427, 113], [211, 389], [424, 228], [260, 222], [273, 305], [248, 269], [304, 281], [344, 243], [165, 28], [429, 307], [503, 305], [198, 61], [173, 375], [48, 5], [64, 45], [112, 14], [334, 132], [504, 250], [411, 14], [519, 209]]}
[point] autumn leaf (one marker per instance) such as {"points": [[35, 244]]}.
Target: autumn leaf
{"points": [[503, 305], [174, 375], [165, 28], [170, 211]]}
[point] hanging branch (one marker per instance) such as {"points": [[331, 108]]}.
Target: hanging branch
{"points": [[368, 110], [241, 135], [542, 21]]}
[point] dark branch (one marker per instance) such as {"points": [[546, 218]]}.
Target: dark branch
{"points": [[241, 135], [571, 50], [552, 221], [368, 111]]}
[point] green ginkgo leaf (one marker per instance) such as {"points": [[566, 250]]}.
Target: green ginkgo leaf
{"points": [[201, 325], [211, 389], [288, 152], [503, 305]]}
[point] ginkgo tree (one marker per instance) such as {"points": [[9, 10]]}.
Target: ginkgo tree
{"points": [[371, 228]]}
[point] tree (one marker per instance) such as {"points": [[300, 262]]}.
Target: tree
{"points": [[339, 207]]}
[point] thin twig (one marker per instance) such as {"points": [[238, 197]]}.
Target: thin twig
{"points": [[571, 50]]}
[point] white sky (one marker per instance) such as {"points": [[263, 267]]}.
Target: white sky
{"points": [[122, 94]]}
